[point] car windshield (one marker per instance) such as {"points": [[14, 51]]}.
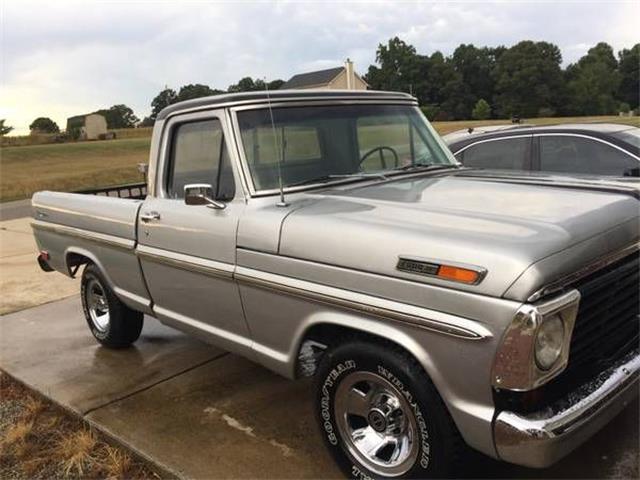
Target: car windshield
{"points": [[319, 144]]}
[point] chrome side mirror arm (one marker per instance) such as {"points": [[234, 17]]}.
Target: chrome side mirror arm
{"points": [[201, 194]]}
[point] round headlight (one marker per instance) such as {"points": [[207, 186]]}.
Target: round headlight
{"points": [[549, 341]]}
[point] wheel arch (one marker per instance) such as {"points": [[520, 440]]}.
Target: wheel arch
{"points": [[472, 420], [75, 257], [318, 335]]}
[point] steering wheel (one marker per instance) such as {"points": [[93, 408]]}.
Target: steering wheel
{"points": [[381, 149]]}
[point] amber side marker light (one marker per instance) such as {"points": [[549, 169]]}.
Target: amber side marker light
{"points": [[458, 274]]}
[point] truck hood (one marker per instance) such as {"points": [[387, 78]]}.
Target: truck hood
{"points": [[505, 228]]}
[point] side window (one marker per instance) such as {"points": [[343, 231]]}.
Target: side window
{"points": [[582, 155], [505, 154], [199, 155]]}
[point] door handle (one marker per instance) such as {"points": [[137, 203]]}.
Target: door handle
{"points": [[148, 216]]}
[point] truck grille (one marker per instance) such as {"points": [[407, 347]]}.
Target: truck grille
{"points": [[607, 328], [608, 321]]}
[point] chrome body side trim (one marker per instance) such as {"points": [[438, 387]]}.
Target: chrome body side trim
{"points": [[186, 262], [205, 327], [133, 298], [407, 314], [102, 238], [41, 211], [415, 316], [600, 263], [541, 438]]}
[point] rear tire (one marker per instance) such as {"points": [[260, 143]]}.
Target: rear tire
{"points": [[380, 415], [111, 322]]}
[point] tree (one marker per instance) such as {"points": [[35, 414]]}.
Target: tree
{"points": [[44, 125], [147, 122], [165, 98], [528, 78], [593, 82], [400, 69], [4, 130], [629, 71], [456, 99], [482, 110], [119, 116], [196, 90], [475, 67], [443, 86], [247, 84], [275, 84]]}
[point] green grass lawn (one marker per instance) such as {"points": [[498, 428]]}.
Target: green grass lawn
{"points": [[73, 166], [70, 166]]}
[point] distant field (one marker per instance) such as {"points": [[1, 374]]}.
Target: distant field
{"points": [[70, 166], [132, 132], [73, 166]]}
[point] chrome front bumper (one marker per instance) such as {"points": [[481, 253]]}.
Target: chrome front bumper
{"points": [[542, 438]]}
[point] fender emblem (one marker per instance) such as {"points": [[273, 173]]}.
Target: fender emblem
{"points": [[454, 272], [416, 266]]}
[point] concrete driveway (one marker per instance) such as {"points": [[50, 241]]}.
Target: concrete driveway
{"points": [[199, 412], [22, 283]]}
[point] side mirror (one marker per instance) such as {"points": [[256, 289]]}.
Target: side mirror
{"points": [[143, 168], [201, 194]]}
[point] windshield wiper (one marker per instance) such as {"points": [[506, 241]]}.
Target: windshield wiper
{"points": [[326, 178], [425, 166]]}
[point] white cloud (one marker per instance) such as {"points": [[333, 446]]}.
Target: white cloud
{"points": [[64, 58]]}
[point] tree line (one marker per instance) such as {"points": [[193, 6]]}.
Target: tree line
{"points": [[524, 80], [122, 116], [169, 96]]}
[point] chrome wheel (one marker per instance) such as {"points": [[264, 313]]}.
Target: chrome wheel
{"points": [[97, 305], [376, 424]]}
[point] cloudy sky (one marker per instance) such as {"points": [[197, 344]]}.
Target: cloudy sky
{"points": [[61, 58]]}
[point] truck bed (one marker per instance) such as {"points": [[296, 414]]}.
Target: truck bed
{"points": [[75, 228]]}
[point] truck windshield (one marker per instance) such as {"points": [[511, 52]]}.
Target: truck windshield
{"points": [[318, 144]]}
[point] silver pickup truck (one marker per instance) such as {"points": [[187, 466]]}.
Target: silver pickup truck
{"points": [[332, 234]]}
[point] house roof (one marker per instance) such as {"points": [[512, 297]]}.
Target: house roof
{"points": [[319, 77]]}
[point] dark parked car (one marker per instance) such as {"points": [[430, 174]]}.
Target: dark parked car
{"points": [[599, 149]]}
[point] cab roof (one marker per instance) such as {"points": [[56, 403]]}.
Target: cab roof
{"points": [[233, 99]]}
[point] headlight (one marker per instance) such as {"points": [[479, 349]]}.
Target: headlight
{"points": [[535, 346], [549, 342]]}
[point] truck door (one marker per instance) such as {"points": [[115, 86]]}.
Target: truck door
{"points": [[187, 252]]}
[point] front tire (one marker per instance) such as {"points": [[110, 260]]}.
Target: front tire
{"points": [[381, 416], [111, 322]]}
